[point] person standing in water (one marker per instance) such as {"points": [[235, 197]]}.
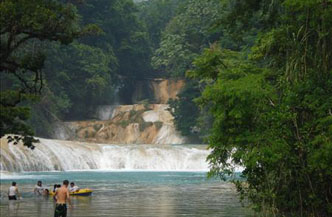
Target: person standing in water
{"points": [[13, 193], [39, 188], [62, 196]]}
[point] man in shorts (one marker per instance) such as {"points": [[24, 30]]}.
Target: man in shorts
{"points": [[62, 196]]}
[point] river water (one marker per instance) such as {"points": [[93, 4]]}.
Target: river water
{"points": [[127, 194]]}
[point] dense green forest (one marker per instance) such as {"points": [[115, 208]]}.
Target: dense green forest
{"points": [[258, 81]]}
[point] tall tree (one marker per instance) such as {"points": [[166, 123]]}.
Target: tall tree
{"points": [[24, 26]]}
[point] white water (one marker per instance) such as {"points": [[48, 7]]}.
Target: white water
{"points": [[55, 155], [105, 112]]}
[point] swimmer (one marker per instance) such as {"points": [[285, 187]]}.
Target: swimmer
{"points": [[73, 187], [46, 192]]}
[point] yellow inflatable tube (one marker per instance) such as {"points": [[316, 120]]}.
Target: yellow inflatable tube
{"points": [[81, 192]]}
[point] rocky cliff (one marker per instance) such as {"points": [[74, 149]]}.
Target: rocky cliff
{"points": [[131, 124], [127, 124]]}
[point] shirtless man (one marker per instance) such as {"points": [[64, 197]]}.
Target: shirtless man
{"points": [[62, 196]]}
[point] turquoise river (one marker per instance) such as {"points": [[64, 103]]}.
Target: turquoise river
{"points": [[127, 180], [127, 194]]}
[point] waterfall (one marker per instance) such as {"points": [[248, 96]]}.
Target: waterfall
{"points": [[105, 112], [55, 155]]}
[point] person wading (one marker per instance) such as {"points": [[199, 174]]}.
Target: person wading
{"points": [[39, 188], [62, 196], [13, 192]]}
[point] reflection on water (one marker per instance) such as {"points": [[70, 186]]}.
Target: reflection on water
{"points": [[123, 194]]}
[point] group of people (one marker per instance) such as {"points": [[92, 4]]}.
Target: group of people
{"points": [[13, 193], [40, 190], [61, 195]]}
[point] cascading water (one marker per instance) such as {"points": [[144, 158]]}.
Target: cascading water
{"points": [[105, 112], [53, 155]]}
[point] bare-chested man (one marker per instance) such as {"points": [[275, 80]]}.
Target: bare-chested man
{"points": [[62, 196]]}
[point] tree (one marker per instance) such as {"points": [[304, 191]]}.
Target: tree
{"points": [[272, 112], [83, 75], [185, 37], [186, 112], [196, 26], [156, 14], [24, 26], [124, 35]]}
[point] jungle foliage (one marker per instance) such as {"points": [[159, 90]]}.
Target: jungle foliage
{"points": [[42, 71], [272, 107], [25, 26], [185, 36], [262, 73]]}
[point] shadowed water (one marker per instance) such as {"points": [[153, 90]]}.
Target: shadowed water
{"points": [[127, 194]]}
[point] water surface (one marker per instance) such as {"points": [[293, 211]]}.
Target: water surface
{"points": [[127, 194]]}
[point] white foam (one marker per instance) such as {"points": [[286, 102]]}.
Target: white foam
{"points": [[10, 176], [56, 155], [167, 134], [151, 116], [106, 112]]}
